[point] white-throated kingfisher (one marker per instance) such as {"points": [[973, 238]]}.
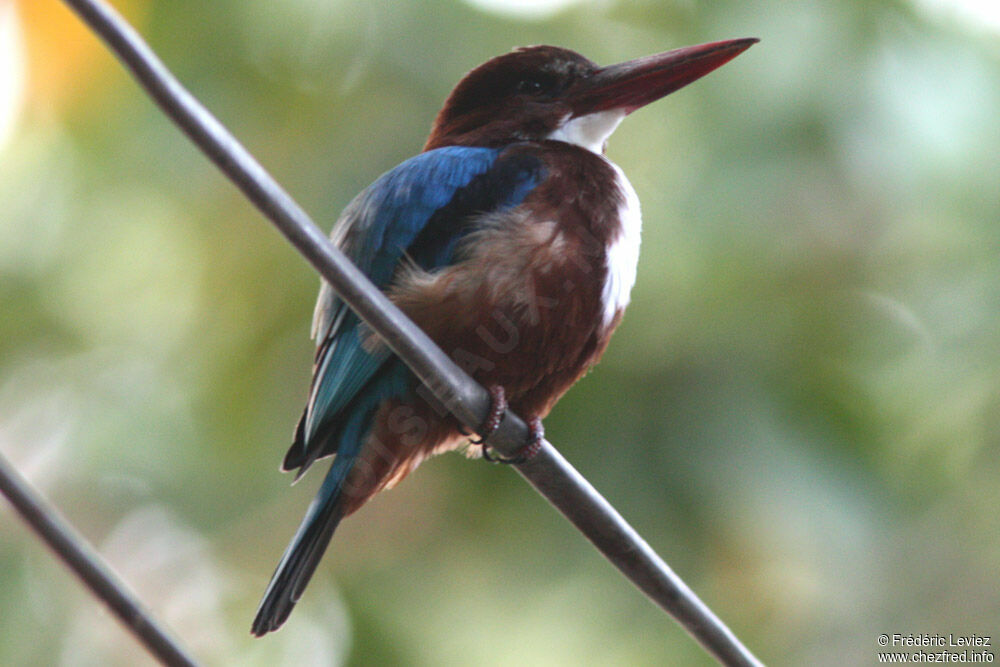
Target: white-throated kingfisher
{"points": [[511, 240]]}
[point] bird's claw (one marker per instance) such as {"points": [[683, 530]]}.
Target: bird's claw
{"points": [[498, 407], [529, 451]]}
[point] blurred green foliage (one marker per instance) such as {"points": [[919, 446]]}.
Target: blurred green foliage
{"points": [[800, 410]]}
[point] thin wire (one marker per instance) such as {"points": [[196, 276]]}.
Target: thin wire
{"points": [[548, 472], [88, 565]]}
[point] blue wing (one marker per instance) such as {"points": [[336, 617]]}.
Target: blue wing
{"points": [[420, 209]]}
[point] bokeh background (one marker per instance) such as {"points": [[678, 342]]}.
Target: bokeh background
{"points": [[800, 412]]}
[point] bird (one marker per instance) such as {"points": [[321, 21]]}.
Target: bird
{"points": [[512, 241]]}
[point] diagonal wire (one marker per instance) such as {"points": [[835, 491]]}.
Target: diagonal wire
{"points": [[548, 472], [88, 565]]}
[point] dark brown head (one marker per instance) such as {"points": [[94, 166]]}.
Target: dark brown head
{"points": [[547, 92]]}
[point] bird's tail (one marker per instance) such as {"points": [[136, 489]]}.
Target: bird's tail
{"points": [[306, 549]]}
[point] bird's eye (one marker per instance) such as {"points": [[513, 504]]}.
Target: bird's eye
{"points": [[534, 85], [529, 86]]}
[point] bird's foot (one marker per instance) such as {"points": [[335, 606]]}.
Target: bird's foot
{"points": [[498, 407], [526, 453]]}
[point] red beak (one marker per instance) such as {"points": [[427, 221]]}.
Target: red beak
{"points": [[636, 83]]}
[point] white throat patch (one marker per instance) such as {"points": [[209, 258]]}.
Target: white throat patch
{"points": [[623, 254], [590, 131]]}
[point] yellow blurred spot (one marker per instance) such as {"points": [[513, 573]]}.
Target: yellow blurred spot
{"points": [[12, 68], [65, 59]]}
